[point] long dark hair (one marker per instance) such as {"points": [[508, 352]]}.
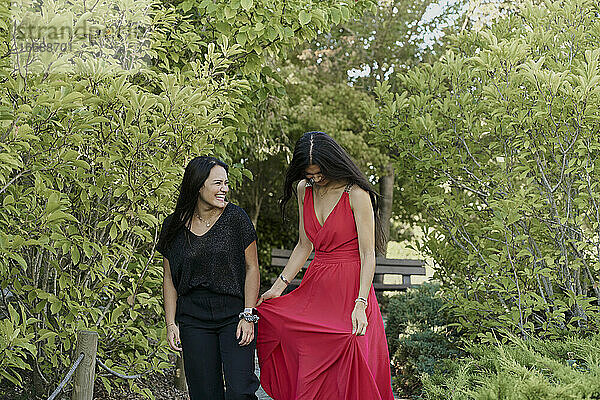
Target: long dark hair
{"points": [[335, 163], [196, 173]]}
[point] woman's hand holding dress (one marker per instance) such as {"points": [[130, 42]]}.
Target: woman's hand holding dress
{"points": [[270, 294], [359, 320]]}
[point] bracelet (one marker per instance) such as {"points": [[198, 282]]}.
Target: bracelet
{"points": [[284, 280], [248, 317], [362, 300], [248, 310], [171, 323]]}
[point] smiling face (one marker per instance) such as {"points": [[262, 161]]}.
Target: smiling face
{"points": [[215, 188], [313, 171]]}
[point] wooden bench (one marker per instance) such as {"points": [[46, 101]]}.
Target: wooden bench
{"points": [[383, 266]]}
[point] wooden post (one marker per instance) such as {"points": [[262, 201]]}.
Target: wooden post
{"points": [[180, 382], [83, 381]]}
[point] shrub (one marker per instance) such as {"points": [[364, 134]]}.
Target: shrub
{"points": [[499, 140], [533, 369], [419, 337]]}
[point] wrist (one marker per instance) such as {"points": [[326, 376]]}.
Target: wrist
{"points": [[362, 301], [248, 316], [284, 279], [279, 286], [169, 324]]}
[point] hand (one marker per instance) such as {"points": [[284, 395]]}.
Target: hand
{"points": [[173, 337], [269, 294], [359, 319], [245, 332]]}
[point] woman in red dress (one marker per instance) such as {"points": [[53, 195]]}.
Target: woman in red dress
{"points": [[325, 340]]}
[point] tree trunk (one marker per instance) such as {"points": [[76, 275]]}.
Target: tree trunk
{"points": [[386, 186], [257, 205], [40, 384], [387, 192]]}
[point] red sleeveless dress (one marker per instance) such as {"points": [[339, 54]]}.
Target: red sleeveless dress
{"points": [[306, 349]]}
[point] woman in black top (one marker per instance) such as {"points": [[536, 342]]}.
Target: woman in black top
{"points": [[211, 284]]}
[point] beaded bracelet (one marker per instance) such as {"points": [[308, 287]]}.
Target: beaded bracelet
{"points": [[362, 300], [248, 317]]}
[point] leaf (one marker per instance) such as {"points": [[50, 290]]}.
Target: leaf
{"points": [[15, 379], [229, 13], [247, 4], [345, 12], [9, 159], [53, 203], [75, 254], [55, 307], [8, 200], [304, 17], [14, 315], [113, 231], [18, 258], [187, 5], [247, 173], [61, 215], [336, 15]]}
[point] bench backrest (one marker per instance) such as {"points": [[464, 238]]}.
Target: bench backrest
{"points": [[397, 266]]}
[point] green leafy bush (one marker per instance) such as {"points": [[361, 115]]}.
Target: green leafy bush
{"points": [[91, 151], [533, 369], [16, 348], [419, 336], [499, 141]]}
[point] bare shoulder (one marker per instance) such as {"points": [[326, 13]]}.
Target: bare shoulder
{"points": [[359, 197], [300, 189], [301, 186]]}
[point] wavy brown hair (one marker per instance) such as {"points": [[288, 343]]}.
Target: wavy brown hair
{"points": [[335, 163]]}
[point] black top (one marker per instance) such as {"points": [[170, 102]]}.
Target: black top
{"points": [[214, 261]]}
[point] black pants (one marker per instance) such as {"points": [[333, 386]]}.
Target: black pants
{"points": [[211, 353]]}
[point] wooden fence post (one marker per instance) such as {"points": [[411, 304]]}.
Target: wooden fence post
{"points": [[83, 381], [180, 382]]}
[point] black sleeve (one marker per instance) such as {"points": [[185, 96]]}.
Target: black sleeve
{"points": [[160, 246], [247, 231]]}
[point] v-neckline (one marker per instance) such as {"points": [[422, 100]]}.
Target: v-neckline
{"points": [[210, 228], [312, 194]]}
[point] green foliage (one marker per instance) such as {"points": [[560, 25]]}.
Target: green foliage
{"points": [[264, 29], [416, 310], [92, 147], [523, 369], [88, 176], [310, 104], [15, 344], [390, 36], [420, 337], [500, 142]]}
